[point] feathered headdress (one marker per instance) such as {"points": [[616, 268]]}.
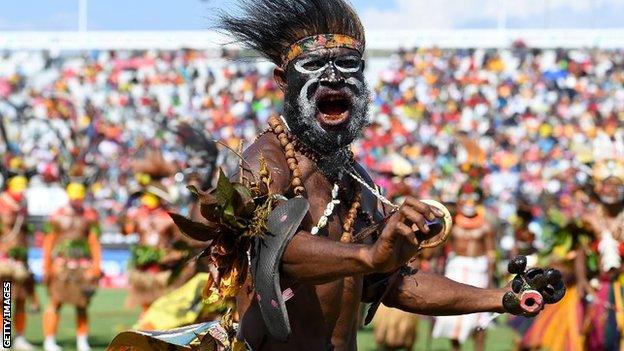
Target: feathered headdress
{"points": [[280, 30]]}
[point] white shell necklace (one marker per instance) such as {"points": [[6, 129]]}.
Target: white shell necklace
{"points": [[328, 211]]}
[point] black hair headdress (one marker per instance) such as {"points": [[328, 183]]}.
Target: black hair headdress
{"points": [[272, 26]]}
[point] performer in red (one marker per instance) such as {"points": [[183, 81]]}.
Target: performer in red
{"points": [[159, 247], [71, 265], [14, 254]]}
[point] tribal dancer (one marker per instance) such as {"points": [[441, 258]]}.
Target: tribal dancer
{"points": [[604, 293], [71, 264], [558, 327], [310, 264], [155, 255], [470, 261], [14, 254]]}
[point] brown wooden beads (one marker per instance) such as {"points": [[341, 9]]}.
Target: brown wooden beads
{"points": [[349, 223], [296, 183], [290, 146]]}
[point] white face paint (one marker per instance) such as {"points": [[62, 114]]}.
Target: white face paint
{"points": [[343, 75], [307, 106], [315, 65], [468, 211]]}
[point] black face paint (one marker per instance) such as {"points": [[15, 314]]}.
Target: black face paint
{"points": [[326, 103]]}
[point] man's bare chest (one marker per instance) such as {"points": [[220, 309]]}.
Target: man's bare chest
{"points": [[73, 227]]}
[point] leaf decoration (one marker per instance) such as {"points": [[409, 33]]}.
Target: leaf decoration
{"points": [[235, 212], [265, 174], [203, 197], [195, 230], [244, 205], [225, 192]]}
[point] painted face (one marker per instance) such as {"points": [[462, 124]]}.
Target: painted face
{"points": [[327, 98], [468, 204], [611, 191]]}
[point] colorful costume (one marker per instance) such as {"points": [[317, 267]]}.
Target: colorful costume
{"points": [[149, 276], [604, 320], [604, 323], [14, 254], [157, 257], [250, 220], [470, 226], [596, 322], [71, 264]]}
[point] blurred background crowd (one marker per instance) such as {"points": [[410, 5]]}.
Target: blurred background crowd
{"points": [[527, 124], [537, 117]]}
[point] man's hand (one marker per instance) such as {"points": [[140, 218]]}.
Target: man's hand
{"points": [[532, 289], [402, 235]]}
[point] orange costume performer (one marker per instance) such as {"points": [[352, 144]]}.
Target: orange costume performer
{"points": [[471, 261], [14, 254], [158, 252], [71, 263]]}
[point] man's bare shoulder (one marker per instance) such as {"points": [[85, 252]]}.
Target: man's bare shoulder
{"points": [[268, 147]]}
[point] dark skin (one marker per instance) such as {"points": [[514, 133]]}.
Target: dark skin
{"points": [[327, 276]]}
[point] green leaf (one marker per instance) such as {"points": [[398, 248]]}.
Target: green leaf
{"points": [[243, 201], [225, 191], [232, 220]]}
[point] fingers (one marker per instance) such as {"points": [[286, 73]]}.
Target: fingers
{"points": [[407, 232], [416, 219], [419, 213], [430, 213]]}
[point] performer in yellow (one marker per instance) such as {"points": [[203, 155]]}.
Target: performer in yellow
{"points": [[14, 254], [71, 262], [159, 252]]}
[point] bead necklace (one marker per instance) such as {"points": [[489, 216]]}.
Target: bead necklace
{"points": [[279, 127], [328, 211]]}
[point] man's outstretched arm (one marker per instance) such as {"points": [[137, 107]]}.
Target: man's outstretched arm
{"points": [[317, 260], [433, 294]]}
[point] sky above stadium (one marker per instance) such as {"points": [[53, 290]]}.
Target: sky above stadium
{"points": [[377, 14]]}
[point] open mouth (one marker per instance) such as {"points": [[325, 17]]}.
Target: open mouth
{"points": [[333, 108]]}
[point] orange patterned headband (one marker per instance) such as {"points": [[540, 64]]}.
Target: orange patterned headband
{"points": [[321, 41]]}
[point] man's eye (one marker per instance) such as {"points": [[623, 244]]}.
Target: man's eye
{"points": [[348, 63], [313, 65]]}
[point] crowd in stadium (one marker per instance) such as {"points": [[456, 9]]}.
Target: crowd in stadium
{"points": [[537, 116], [523, 126]]}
